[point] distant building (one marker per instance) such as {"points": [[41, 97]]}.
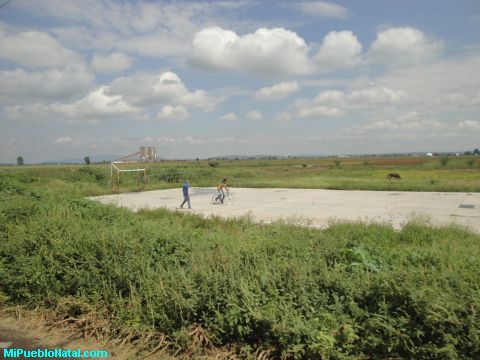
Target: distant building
{"points": [[429, 154]]}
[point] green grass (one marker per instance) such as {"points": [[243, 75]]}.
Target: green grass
{"points": [[369, 173], [353, 290]]}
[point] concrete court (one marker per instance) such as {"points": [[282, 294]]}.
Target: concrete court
{"points": [[315, 207]]}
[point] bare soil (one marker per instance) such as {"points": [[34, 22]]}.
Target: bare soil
{"points": [[29, 330]]}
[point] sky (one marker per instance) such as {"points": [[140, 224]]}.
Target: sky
{"points": [[198, 79]]}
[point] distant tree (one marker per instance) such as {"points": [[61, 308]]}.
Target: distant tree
{"points": [[467, 153], [476, 152], [87, 160], [20, 161], [337, 162]]}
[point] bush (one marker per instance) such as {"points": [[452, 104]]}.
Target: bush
{"points": [[352, 290], [90, 173], [444, 161]]}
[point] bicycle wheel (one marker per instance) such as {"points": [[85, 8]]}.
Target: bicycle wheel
{"points": [[215, 199], [229, 199]]}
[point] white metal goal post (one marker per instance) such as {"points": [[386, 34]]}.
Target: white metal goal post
{"points": [[130, 163]]}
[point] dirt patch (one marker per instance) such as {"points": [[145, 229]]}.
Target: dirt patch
{"points": [[30, 330]]}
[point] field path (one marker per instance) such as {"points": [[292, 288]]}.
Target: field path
{"points": [[316, 207]]}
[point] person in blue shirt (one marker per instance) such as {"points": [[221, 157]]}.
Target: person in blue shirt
{"points": [[186, 196]]}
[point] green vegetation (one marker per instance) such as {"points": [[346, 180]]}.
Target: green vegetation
{"points": [[444, 161], [364, 173], [353, 290]]}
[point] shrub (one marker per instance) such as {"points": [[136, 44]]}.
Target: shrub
{"points": [[87, 173], [352, 290], [444, 161]]}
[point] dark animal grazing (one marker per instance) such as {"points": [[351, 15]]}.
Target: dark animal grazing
{"points": [[393, 176]]}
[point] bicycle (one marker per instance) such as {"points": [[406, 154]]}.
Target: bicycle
{"points": [[229, 199]]}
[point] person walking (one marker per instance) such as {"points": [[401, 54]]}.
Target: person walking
{"points": [[186, 196]]}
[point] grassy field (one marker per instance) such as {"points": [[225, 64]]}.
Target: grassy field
{"points": [[213, 286], [365, 173]]}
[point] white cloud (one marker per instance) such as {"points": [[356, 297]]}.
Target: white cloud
{"points": [[130, 17], [113, 63], [278, 91], [191, 140], [97, 104], [469, 124], [36, 49], [376, 95], [38, 111], [157, 45], [144, 93], [254, 115], [202, 100], [475, 99], [372, 95], [162, 89], [86, 38], [338, 50], [334, 103], [282, 117], [398, 131], [63, 140], [319, 106], [462, 98], [153, 29], [173, 113], [266, 51], [411, 121], [229, 117], [336, 97], [403, 46], [439, 85], [324, 9], [20, 85], [319, 111], [213, 48]]}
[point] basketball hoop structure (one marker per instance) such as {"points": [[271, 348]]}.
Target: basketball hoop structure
{"points": [[133, 163]]}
